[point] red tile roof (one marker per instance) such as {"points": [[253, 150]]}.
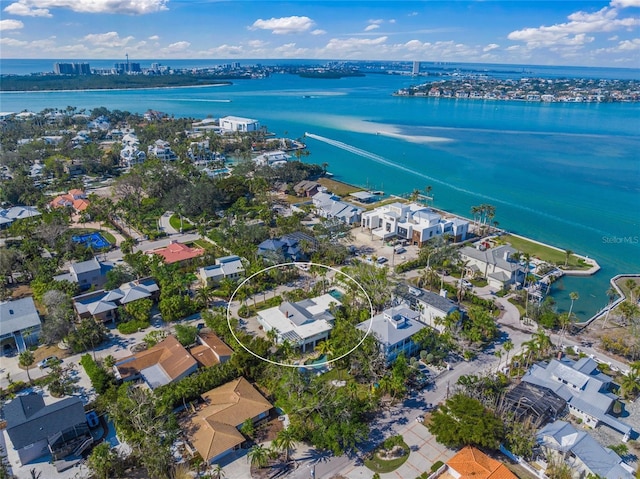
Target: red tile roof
{"points": [[471, 463], [176, 252]]}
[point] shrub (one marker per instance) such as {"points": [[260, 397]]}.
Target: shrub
{"points": [[436, 465], [131, 327], [101, 380]]}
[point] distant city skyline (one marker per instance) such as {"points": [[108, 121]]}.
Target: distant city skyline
{"points": [[578, 33]]}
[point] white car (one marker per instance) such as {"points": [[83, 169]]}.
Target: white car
{"points": [[466, 284], [48, 361]]}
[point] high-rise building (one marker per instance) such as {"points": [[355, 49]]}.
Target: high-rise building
{"points": [[71, 68], [416, 68]]}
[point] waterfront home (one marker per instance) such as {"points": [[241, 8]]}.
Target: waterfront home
{"points": [[582, 453], [304, 324], [213, 430], [19, 324], [177, 252], [165, 363], [226, 267], [415, 223], [130, 138], [498, 265], [103, 305], [431, 306], [87, 274], [330, 206], [230, 124], [130, 155], [15, 213], [286, 248], [76, 199], [393, 329], [537, 404], [306, 188], [161, 149], [100, 123], [35, 430], [586, 390], [211, 350], [472, 463], [272, 158]]}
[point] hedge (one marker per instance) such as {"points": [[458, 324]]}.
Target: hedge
{"points": [[130, 327], [101, 380]]}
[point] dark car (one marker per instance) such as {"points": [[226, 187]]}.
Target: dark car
{"points": [[8, 350]]}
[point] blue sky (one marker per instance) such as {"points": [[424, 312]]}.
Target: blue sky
{"points": [[588, 33]]}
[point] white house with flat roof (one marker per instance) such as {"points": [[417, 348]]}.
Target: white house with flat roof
{"points": [[393, 329], [236, 123], [229, 267], [19, 323], [304, 324], [415, 223]]}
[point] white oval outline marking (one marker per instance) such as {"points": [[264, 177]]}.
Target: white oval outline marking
{"points": [[298, 263]]}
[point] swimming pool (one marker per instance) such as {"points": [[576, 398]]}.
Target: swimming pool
{"points": [[93, 240], [336, 294]]}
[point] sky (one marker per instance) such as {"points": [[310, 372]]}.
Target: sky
{"points": [[576, 32]]}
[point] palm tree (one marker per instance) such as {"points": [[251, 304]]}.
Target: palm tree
{"points": [[428, 191], [258, 455], [611, 294], [285, 442], [574, 297], [324, 347], [272, 335], [217, 471], [630, 384], [498, 354], [567, 255], [508, 346], [26, 360], [414, 195]]}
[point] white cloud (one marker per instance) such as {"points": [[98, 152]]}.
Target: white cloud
{"points": [[176, 47], [154, 38], [12, 42], [625, 3], [613, 38], [284, 25], [413, 14], [289, 50], [629, 44], [377, 21], [491, 46], [318, 31], [257, 44], [41, 8], [10, 25], [575, 30], [373, 26], [392, 20], [109, 39], [22, 9], [350, 47]]}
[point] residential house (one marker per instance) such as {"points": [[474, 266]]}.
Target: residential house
{"points": [[19, 323], [498, 265], [130, 138], [76, 199], [130, 155], [213, 429], [412, 222], [226, 267], [103, 305], [304, 324], [177, 252], [88, 274], [100, 123], [15, 213], [211, 350], [331, 206], [286, 248], [36, 430], [364, 197], [586, 390], [582, 453], [230, 124], [272, 158], [534, 403], [394, 329], [306, 188], [166, 362], [472, 463], [431, 306], [161, 149]]}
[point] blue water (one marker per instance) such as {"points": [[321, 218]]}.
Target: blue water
{"points": [[565, 174]]}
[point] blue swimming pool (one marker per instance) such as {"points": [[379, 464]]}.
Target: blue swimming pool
{"points": [[93, 240], [336, 294]]}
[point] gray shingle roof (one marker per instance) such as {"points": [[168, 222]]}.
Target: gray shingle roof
{"points": [[29, 420], [384, 329], [18, 315]]}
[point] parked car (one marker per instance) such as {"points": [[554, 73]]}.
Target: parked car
{"points": [[466, 284], [49, 361], [400, 250], [8, 350], [381, 260]]}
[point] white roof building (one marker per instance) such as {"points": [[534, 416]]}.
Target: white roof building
{"points": [[236, 123], [8, 216], [272, 158], [19, 323], [230, 267], [304, 324]]}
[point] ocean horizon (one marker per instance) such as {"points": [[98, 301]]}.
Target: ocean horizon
{"points": [[564, 174]]}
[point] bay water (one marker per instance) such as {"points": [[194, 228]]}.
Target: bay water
{"points": [[567, 174]]}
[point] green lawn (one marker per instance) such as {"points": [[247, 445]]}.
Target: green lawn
{"points": [[338, 188], [109, 237], [384, 466], [174, 221], [545, 253]]}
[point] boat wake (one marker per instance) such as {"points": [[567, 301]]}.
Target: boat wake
{"points": [[384, 161]]}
